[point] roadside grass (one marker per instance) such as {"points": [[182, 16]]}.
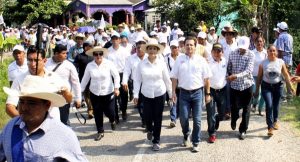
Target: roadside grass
{"points": [[291, 113], [4, 118]]}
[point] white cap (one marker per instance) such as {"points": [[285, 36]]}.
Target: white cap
{"points": [[181, 39], [174, 43], [132, 28], [276, 29], [212, 28], [202, 35], [176, 24], [19, 47], [153, 33], [163, 40], [115, 34], [101, 27], [243, 42], [283, 26]]}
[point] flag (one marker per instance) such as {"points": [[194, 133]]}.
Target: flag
{"points": [[102, 22], [1, 20]]}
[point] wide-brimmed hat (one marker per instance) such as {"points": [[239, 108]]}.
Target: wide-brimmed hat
{"points": [[139, 26], [97, 49], [152, 42], [38, 87], [229, 30], [79, 35]]}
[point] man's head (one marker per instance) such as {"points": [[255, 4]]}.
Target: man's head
{"points": [[212, 30], [115, 39], [201, 38], [138, 46], [33, 58], [60, 53], [190, 45], [217, 51], [243, 44], [174, 47], [19, 54], [282, 26], [87, 46], [79, 39], [124, 40], [255, 32]]}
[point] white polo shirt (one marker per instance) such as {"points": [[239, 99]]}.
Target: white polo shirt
{"points": [[190, 72], [219, 71], [154, 78], [101, 77], [67, 72], [118, 57], [15, 70], [130, 67]]}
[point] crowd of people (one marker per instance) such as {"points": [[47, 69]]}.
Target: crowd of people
{"points": [[107, 69]]}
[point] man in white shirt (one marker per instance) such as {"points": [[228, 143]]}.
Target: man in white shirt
{"points": [[67, 71], [218, 66], [174, 32], [140, 33], [118, 55], [98, 36], [202, 40], [19, 66], [212, 37], [125, 43], [129, 73], [192, 73]]}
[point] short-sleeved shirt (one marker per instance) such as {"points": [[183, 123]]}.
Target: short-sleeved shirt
{"points": [[259, 57], [285, 43], [15, 70], [219, 72], [272, 71]]}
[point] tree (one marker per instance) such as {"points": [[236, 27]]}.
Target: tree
{"points": [[32, 11]]}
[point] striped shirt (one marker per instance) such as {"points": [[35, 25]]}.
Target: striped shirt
{"points": [[242, 67], [285, 43]]}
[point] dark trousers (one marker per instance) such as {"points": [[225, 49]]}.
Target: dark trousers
{"points": [[122, 99], [241, 99], [64, 112], [140, 107], [153, 112], [218, 100], [103, 104], [130, 89]]}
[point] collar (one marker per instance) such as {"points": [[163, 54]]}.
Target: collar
{"points": [[44, 127]]}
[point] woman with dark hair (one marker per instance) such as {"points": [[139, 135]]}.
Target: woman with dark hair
{"points": [[67, 71], [101, 73], [270, 77]]}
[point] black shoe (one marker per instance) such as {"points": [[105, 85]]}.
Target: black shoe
{"points": [[124, 116], [117, 120], [233, 124], [242, 136], [217, 124], [99, 136], [113, 125], [149, 135]]}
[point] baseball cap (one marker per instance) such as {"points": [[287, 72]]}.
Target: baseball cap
{"points": [[174, 43], [202, 35], [217, 46], [283, 26], [243, 42], [19, 47], [115, 34], [176, 24]]}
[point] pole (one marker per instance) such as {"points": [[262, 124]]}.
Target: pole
{"points": [[39, 44]]}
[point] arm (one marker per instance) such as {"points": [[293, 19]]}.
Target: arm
{"points": [[75, 84], [137, 83], [258, 80], [166, 79], [86, 78], [287, 78], [126, 74], [115, 74], [11, 110]]}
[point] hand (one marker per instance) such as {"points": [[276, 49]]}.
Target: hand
{"points": [[135, 101], [255, 94], [295, 79], [171, 103], [125, 87], [231, 78], [77, 104], [174, 98], [116, 92], [207, 99]]}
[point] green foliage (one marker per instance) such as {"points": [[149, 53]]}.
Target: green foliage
{"points": [[3, 82], [291, 112], [9, 42], [32, 11]]}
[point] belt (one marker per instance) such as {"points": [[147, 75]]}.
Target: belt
{"points": [[218, 90], [190, 91]]}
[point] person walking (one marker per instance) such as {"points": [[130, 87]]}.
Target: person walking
{"points": [[270, 79], [153, 81], [102, 75]]}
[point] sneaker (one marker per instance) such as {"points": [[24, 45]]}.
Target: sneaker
{"points": [[195, 148], [212, 139], [261, 113], [233, 124], [124, 116], [113, 125], [155, 147], [99, 136], [185, 142], [276, 126], [270, 132], [242, 136], [172, 124], [217, 123], [149, 135]]}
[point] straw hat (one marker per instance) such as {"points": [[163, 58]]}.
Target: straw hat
{"points": [[38, 87], [139, 26], [79, 35], [229, 30], [152, 42], [97, 49]]}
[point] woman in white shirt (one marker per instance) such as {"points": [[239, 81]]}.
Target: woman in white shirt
{"points": [[260, 55], [103, 91], [153, 80]]}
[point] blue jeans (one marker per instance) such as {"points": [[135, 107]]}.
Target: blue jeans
{"points": [[228, 100], [174, 111], [271, 94], [218, 101], [259, 100], [191, 101]]}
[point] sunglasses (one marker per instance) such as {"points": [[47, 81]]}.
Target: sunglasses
{"points": [[98, 53]]}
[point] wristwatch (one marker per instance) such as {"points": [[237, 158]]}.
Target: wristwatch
{"points": [[207, 94]]}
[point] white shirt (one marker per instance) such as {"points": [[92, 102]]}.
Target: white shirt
{"points": [[101, 77], [128, 47], [154, 78], [90, 39], [15, 70], [118, 57], [219, 71], [212, 38], [57, 81], [259, 57], [142, 35], [228, 49], [170, 61], [190, 72], [130, 67], [67, 72], [98, 38], [70, 44]]}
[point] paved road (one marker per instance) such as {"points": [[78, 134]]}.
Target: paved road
{"points": [[128, 142]]}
